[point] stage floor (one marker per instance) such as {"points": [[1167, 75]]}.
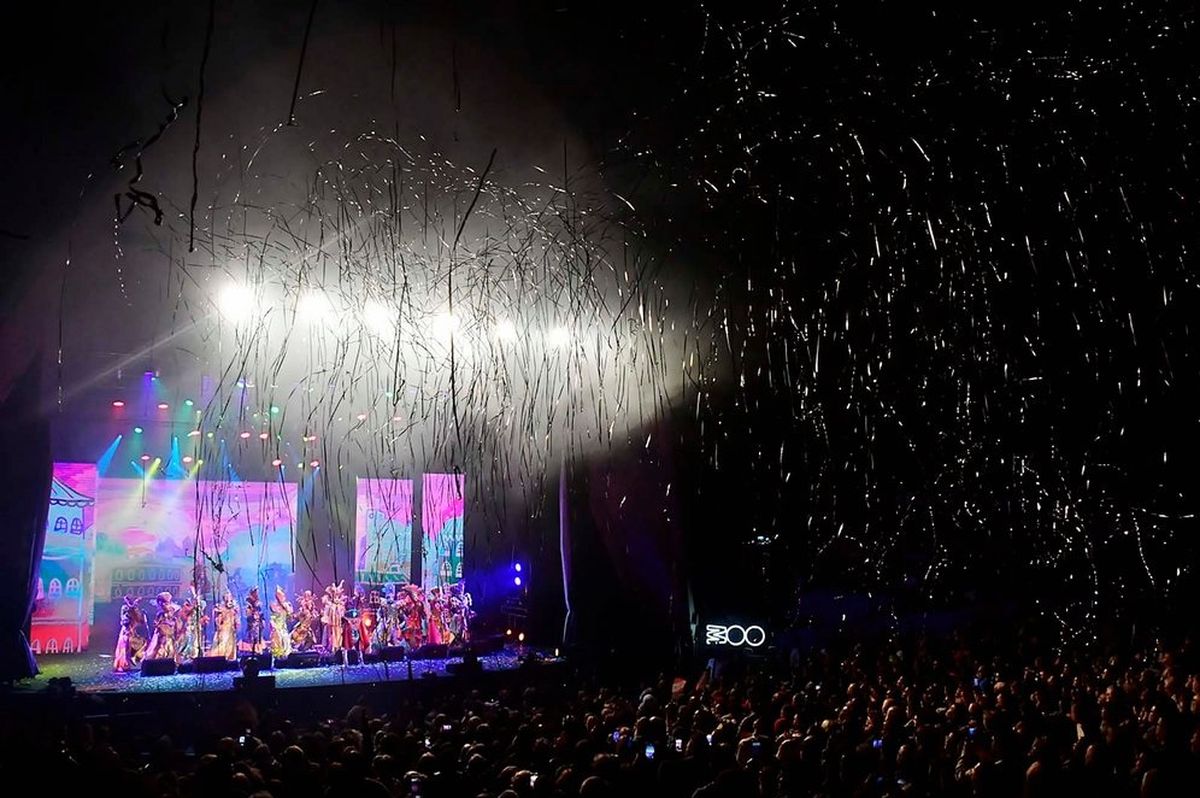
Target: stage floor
{"points": [[92, 673]]}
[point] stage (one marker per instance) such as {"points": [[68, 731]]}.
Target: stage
{"points": [[92, 673]]}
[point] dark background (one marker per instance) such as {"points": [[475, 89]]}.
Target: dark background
{"points": [[944, 258]]}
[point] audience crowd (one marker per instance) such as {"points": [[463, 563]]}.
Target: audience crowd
{"points": [[891, 723]]}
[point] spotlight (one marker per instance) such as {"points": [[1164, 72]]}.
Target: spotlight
{"points": [[194, 433], [138, 430], [277, 462], [274, 410], [315, 308], [163, 406], [444, 325], [517, 567], [262, 436], [244, 435], [315, 463], [506, 331], [509, 633], [378, 319], [187, 459], [236, 303], [521, 637], [558, 336], [361, 416], [517, 581], [118, 403], [188, 402], [145, 458]]}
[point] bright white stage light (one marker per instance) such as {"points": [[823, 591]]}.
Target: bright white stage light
{"points": [[236, 303], [444, 325], [558, 337], [314, 308], [506, 331], [378, 318]]}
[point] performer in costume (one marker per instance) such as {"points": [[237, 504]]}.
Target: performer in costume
{"points": [[460, 612], [387, 620], [255, 623], [333, 611], [281, 610], [162, 642], [192, 622], [357, 637], [412, 610], [439, 631], [227, 620], [130, 642], [303, 635]]}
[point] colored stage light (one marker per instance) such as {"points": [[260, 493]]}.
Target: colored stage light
{"points": [[145, 457], [361, 416], [517, 567], [188, 402], [315, 463], [187, 459], [274, 410], [138, 430], [262, 436], [194, 433], [163, 406], [521, 637], [509, 633], [244, 435], [118, 403], [517, 581], [277, 462]]}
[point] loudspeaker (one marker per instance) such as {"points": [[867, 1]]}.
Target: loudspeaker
{"points": [[158, 667], [431, 651], [212, 665], [353, 656], [391, 654], [300, 659], [254, 682]]}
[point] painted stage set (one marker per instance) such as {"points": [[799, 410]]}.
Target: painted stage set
{"points": [[170, 583]]}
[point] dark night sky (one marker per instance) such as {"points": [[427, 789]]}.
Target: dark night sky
{"points": [[951, 250]]}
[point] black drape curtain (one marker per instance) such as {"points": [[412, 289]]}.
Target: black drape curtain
{"points": [[26, 468]]}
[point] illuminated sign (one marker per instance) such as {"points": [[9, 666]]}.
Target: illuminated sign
{"points": [[734, 635]]}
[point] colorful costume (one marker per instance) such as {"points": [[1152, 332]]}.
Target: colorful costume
{"points": [[281, 610], [227, 621], [387, 623], [130, 642], [412, 613], [162, 642], [439, 631], [255, 623], [303, 635], [333, 612], [458, 607], [192, 621]]}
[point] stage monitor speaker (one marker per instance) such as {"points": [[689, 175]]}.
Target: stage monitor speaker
{"points": [[300, 659], [431, 651], [212, 665], [254, 682], [391, 654], [158, 667]]}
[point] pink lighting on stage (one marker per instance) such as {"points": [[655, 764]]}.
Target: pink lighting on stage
{"points": [[118, 403], [145, 458], [315, 463], [277, 462], [262, 436], [244, 435], [163, 406], [187, 459]]}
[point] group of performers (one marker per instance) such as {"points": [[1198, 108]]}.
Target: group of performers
{"points": [[334, 623]]}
